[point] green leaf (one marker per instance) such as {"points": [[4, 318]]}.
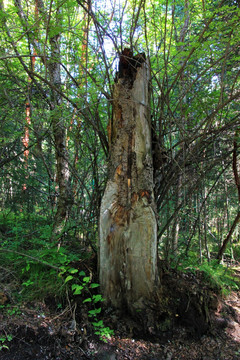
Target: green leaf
{"points": [[77, 289], [98, 324], [87, 300], [73, 271], [97, 298], [68, 278], [95, 311], [94, 285]]}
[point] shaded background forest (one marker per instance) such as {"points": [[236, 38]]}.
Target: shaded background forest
{"points": [[58, 61]]}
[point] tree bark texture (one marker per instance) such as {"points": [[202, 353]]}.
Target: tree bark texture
{"points": [[64, 200], [128, 226]]}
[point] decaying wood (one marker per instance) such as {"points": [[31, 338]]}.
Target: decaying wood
{"points": [[128, 227]]}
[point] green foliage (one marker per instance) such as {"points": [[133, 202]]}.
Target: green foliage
{"points": [[217, 276], [220, 277], [10, 309], [82, 285], [43, 270], [4, 339], [26, 249], [104, 332], [236, 251]]}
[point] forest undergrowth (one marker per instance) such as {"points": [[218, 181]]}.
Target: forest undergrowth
{"points": [[52, 308]]}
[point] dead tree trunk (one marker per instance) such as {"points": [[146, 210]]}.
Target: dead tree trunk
{"points": [[128, 227]]}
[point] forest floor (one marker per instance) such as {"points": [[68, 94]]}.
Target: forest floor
{"points": [[38, 331]]}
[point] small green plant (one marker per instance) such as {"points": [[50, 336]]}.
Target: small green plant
{"points": [[4, 339], [81, 284], [39, 272], [104, 332], [10, 309]]}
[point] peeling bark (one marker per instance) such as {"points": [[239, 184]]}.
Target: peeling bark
{"points": [[128, 227]]}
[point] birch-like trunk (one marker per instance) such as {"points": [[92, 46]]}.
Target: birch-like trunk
{"points": [[128, 226]]}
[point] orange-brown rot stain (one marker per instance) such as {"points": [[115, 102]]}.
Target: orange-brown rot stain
{"points": [[145, 193], [121, 215], [119, 117], [134, 198], [142, 193], [109, 131], [109, 244], [109, 239], [119, 170]]}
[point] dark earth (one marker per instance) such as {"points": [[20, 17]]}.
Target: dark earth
{"points": [[198, 325]]}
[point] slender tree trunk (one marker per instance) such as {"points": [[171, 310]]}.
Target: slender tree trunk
{"points": [[205, 225], [176, 225], [228, 237], [59, 133], [25, 140], [237, 182], [128, 226], [183, 121]]}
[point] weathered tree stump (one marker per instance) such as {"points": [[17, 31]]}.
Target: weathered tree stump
{"points": [[128, 226]]}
